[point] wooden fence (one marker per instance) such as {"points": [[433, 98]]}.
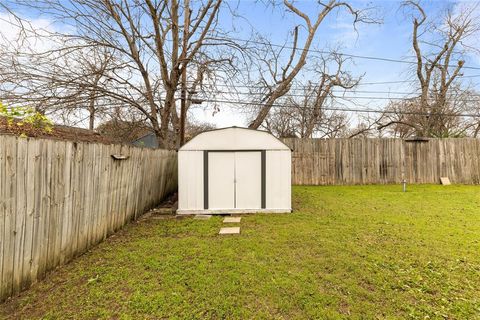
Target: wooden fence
{"points": [[59, 198], [382, 161]]}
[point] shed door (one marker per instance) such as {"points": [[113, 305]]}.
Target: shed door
{"points": [[234, 180], [248, 180], [221, 177]]}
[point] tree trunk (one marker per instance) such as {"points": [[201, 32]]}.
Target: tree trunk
{"points": [[91, 117], [165, 117]]}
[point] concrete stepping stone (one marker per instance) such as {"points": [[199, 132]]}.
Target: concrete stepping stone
{"points": [[232, 220], [233, 230], [202, 217]]}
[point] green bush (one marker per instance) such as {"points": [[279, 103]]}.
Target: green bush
{"points": [[24, 119]]}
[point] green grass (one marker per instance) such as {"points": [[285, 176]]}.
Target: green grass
{"points": [[358, 252]]}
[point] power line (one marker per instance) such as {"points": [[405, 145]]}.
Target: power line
{"points": [[471, 76], [340, 53], [346, 97], [350, 109], [305, 95], [356, 91], [300, 86], [275, 105], [411, 81], [386, 82], [356, 110], [398, 98], [335, 90], [294, 87]]}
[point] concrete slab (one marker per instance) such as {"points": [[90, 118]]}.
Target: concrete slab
{"points": [[233, 230], [232, 220], [202, 217], [445, 181]]}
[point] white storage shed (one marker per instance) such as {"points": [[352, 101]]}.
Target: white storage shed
{"points": [[234, 170]]}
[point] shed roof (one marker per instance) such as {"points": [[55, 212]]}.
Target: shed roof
{"points": [[234, 138]]}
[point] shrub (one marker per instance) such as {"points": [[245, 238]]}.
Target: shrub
{"points": [[24, 120]]}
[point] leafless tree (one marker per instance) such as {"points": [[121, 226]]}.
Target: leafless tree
{"points": [[367, 126], [436, 111], [276, 72], [459, 116], [151, 43], [60, 85], [304, 114]]}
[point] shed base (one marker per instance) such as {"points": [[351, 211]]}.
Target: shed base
{"points": [[233, 211]]}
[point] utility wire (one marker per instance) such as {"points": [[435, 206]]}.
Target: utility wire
{"points": [[276, 105], [341, 91], [293, 87], [349, 109], [340, 53], [344, 109], [301, 86]]}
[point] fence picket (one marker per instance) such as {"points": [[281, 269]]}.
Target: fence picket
{"points": [[57, 199], [382, 161]]}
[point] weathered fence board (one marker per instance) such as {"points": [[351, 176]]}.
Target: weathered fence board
{"points": [[382, 161], [58, 198]]}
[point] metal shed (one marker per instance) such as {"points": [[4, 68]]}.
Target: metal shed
{"points": [[234, 170]]}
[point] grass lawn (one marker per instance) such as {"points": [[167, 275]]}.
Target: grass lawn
{"points": [[358, 252]]}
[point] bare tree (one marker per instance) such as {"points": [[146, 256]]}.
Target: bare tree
{"points": [[154, 42], [290, 120], [304, 114], [57, 84], [96, 68], [278, 77], [361, 130], [436, 112], [459, 116], [207, 71]]}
